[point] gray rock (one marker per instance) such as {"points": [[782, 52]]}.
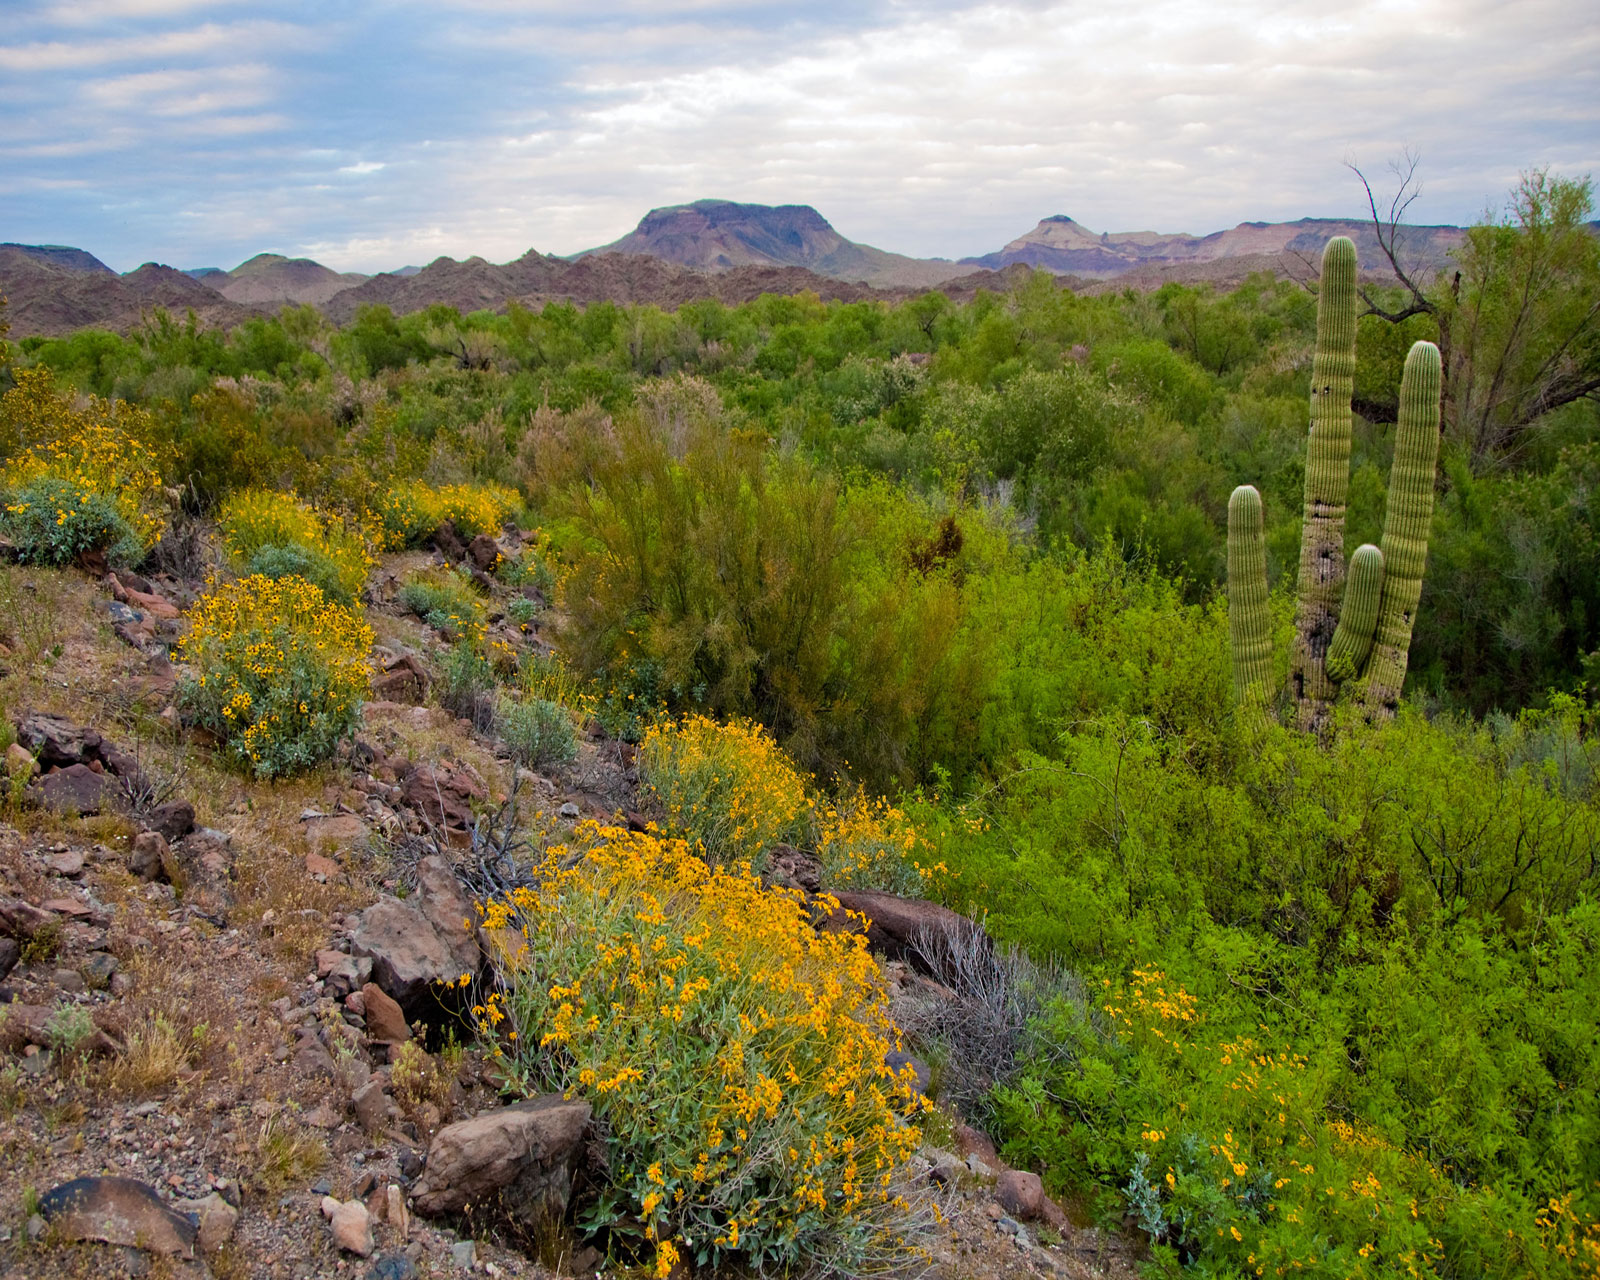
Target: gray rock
{"points": [[200, 867], [351, 1225], [373, 1107], [98, 969], [148, 856], [214, 1220], [392, 1266], [74, 789], [118, 1211], [10, 953], [450, 912], [522, 1152], [464, 1253], [570, 810], [897, 1061], [173, 820]]}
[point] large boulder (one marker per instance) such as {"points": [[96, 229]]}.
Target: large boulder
{"points": [[900, 928], [422, 943], [443, 795], [75, 789], [522, 1153], [117, 1211]]}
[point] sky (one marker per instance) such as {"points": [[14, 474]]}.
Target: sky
{"points": [[371, 134]]}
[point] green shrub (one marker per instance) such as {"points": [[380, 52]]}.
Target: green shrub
{"points": [[446, 601], [467, 684], [539, 733], [279, 675], [275, 535]]}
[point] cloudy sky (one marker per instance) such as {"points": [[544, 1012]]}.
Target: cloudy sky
{"points": [[373, 133]]}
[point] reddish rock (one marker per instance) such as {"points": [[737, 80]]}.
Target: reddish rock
{"points": [[402, 680], [386, 1021], [522, 1152], [149, 855], [335, 831], [449, 911], [894, 925], [74, 789], [117, 1211], [484, 553], [173, 820]]}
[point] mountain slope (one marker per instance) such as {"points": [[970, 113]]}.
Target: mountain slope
{"points": [[719, 235], [270, 278], [1062, 245], [61, 255], [50, 300]]}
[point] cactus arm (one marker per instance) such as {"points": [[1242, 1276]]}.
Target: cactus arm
{"points": [[1322, 566], [1249, 621], [1407, 519], [1358, 616]]}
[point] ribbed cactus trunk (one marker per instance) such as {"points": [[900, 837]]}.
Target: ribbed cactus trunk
{"points": [[1322, 567], [1405, 526], [1249, 621], [1358, 616]]}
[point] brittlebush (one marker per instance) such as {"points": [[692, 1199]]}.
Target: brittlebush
{"points": [[81, 477], [411, 512], [276, 535], [733, 1054], [280, 672]]}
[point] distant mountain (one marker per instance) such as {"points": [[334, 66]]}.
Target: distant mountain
{"points": [[204, 273], [1064, 246], [271, 278], [60, 255], [719, 235], [536, 278], [49, 299]]}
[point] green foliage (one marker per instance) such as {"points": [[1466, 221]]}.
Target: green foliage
{"points": [[468, 683], [54, 520], [539, 733], [446, 600]]}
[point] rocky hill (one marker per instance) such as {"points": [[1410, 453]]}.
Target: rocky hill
{"points": [[60, 255], [49, 299], [271, 278], [1062, 245], [719, 235]]}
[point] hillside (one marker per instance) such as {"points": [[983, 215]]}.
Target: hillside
{"points": [[718, 235], [50, 300], [60, 255], [270, 278], [1063, 245]]}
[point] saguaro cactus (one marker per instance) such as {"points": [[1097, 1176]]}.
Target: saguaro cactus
{"points": [[1406, 521], [1249, 622], [1345, 633], [1333, 373]]}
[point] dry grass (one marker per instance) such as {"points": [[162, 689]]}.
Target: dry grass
{"points": [[158, 1053], [286, 1155]]}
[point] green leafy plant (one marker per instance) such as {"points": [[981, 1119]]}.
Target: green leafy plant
{"points": [[539, 733]]}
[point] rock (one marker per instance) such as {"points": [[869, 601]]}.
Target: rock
{"points": [[897, 1061], [441, 794], [402, 680], [19, 919], [449, 911], [153, 605], [484, 553], [321, 868], [68, 863], [214, 1220], [947, 1167], [10, 953], [1020, 1194], [173, 820], [74, 789], [68, 980], [148, 856], [335, 831], [395, 1211], [392, 1266], [522, 1152], [570, 811], [975, 1142], [408, 956], [386, 1021], [789, 868], [56, 742], [118, 1211], [895, 925], [20, 762], [978, 1168], [351, 1225], [200, 867], [464, 1253]]}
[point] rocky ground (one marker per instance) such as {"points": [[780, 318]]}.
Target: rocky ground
{"points": [[220, 1048]]}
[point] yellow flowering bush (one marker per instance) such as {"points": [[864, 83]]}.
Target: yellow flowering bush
{"points": [[729, 787], [81, 477], [732, 789], [411, 512], [279, 672], [274, 534], [733, 1054]]}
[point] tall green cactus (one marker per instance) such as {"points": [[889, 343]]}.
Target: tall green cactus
{"points": [[1405, 525], [1249, 622], [1357, 634], [1333, 373]]}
